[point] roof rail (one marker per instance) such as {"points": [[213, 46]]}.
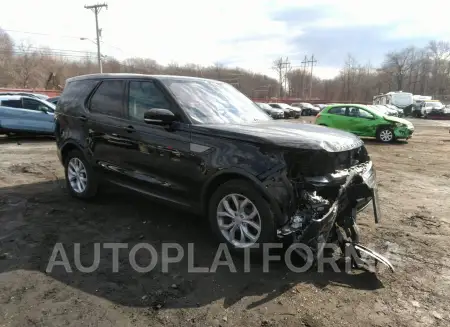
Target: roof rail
{"points": [[19, 93]]}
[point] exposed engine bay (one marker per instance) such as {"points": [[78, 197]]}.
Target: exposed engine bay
{"points": [[326, 208]]}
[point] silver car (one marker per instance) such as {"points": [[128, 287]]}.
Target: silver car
{"points": [[273, 112]]}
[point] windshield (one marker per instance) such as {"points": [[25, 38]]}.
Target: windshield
{"points": [[264, 105], [214, 102], [51, 105], [433, 104], [380, 108], [284, 105], [373, 110]]}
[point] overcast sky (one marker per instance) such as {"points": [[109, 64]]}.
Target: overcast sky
{"points": [[245, 33]]}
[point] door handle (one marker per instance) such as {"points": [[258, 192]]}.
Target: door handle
{"points": [[130, 129], [83, 118]]}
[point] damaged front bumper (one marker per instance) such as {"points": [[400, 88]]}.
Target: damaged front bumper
{"points": [[357, 188], [360, 194], [404, 132]]}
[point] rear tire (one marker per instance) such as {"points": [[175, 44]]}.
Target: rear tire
{"points": [[248, 231], [385, 135], [80, 177]]}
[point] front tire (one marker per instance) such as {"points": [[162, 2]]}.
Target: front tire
{"points": [[240, 217], [385, 135], [80, 177]]}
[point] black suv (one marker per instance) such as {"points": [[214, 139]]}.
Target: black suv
{"points": [[206, 147]]}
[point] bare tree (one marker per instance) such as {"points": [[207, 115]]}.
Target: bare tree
{"points": [[417, 70], [6, 58], [398, 64], [25, 66], [278, 67]]}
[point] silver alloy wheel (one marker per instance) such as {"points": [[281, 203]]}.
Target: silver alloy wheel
{"points": [[77, 175], [386, 135], [239, 220]]}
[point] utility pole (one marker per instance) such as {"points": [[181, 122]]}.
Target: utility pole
{"points": [[281, 67], [287, 67], [96, 9], [304, 62], [312, 61]]}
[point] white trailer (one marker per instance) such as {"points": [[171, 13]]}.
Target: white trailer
{"points": [[421, 98], [402, 100]]}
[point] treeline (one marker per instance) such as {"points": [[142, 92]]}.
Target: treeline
{"points": [[423, 71], [26, 66]]}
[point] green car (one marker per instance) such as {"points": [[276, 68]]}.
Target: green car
{"points": [[365, 121]]}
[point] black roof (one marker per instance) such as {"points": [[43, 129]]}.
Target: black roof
{"points": [[136, 76]]}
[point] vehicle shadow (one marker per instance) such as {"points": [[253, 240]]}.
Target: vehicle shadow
{"points": [[5, 139], [376, 142], [35, 217]]}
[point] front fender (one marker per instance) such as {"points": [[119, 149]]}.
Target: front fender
{"points": [[273, 188]]}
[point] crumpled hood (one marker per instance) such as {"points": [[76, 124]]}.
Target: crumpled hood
{"points": [[399, 120], [287, 134]]}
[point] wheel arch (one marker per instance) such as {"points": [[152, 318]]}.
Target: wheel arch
{"points": [[384, 125], [224, 176], [68, 147]]}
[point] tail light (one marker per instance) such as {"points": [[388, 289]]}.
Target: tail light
{"points": [[318, 115]]}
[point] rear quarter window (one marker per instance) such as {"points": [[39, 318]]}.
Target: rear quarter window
{"points": [[108, 98], [11, 103], [74, 95]]}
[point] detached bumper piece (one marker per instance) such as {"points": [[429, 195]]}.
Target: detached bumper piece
{"points": [[363, 263]]}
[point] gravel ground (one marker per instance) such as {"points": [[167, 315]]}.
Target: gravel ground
{"points": [[36, 212]]}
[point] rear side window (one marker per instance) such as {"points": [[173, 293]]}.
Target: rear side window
{"points": [[337, 111], [12, 103], [75, 94], [108, 98]]}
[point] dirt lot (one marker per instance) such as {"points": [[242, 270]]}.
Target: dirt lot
{"points": [[36, 212]]}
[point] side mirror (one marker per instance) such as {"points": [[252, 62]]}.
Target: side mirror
{"points": [[159, 117]]}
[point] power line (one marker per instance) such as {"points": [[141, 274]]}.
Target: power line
{"points": [[48, 54], [43, 49], [62, 36], [45, 34]]}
